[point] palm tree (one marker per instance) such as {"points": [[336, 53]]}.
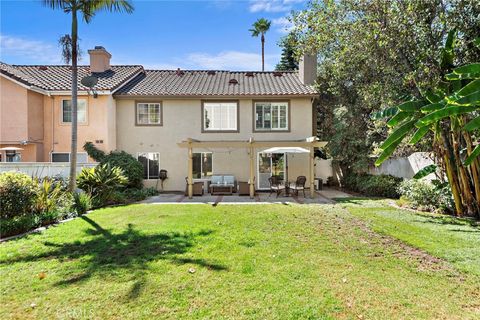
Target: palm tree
{"points": [[88, 9], [260, 27]]}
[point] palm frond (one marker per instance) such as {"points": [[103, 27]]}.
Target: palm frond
{"points": [[261, 26], [65, 5]]}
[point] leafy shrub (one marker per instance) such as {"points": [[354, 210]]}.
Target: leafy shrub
{"points": [[18, 193], [48, 196], [101, 182], [138, 195], [93, 152], [52, 203], [132, 168], [132, 195], [426, 196], [150, 192], [26, 203], [16, 225], [372, 185], [82, 202]]}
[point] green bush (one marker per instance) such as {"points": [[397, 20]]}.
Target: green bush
{"points": [[93, 152], [426, 196], [82, 202], [132, 195], [101, 182], [26, 203], [48, 196], [16, 225], [132, 168], [52, 203], [18, 193], [372, 185]]}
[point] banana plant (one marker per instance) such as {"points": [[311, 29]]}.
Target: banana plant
{"points": [[451, 111]]}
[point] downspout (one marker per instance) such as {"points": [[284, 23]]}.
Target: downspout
{"points": [[53, 125]]}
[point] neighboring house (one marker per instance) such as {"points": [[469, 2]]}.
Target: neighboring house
{"points": [[154, 114]]}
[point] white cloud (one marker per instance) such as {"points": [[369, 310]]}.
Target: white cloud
{"points": [[27, 49], [230, 60], [272, 5], [283, 25], [224, 60]]}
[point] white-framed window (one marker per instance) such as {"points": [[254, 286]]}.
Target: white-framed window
{"points": [[81, 111], [149, 113], [271, 116], [151, 164], [220, 116], [202, 165], [82, 157]]}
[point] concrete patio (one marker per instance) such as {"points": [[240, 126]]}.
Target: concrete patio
{"points": [[324, 196]]}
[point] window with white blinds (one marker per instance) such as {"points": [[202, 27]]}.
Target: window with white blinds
{"points": [[220, 116], [271, 116]]}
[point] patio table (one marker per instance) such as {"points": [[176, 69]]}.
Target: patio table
{"points": [[222, 189]]}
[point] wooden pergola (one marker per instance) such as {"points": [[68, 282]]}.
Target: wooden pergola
{"points": [[309, 143]]}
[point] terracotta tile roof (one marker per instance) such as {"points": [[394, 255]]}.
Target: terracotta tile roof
{"points": [[18, 75], [215, 83], [58, 78], [133, 80]]}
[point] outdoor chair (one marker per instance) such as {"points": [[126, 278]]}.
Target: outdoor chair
{"points": [[299, 185], [276, 185], [197, 187]]}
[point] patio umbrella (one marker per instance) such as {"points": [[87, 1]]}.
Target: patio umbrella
{"points": [[10, 149], [286, 150]]}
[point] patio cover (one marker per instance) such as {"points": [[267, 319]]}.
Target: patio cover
{"points": [[307, 144]]}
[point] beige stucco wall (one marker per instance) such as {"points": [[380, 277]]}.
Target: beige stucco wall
{"points": [[13, 112], [182, 120], [21, 119], [100, 125]]}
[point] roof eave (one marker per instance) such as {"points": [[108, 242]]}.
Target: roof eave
{"points": [[23, 83], [245, 96]]}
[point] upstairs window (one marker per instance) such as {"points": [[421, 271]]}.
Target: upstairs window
{"points": [[220, 116], [151, 164], [202, 164], [149, 114], [271, 116], [81, 111]]}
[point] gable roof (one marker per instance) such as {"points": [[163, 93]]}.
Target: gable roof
{"points": [[58, 78], [133, 80], [215, 83]]}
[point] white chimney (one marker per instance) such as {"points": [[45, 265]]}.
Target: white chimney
{"points": [[99, 59], [307, 68]]}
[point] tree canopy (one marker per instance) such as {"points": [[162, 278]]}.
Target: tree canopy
{"points": [[374, 54]]}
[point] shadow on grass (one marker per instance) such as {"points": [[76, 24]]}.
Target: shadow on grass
{"points": [[107, 252], [357, 200], [453, 221]]}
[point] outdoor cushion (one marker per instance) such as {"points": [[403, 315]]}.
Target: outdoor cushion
{"points": [[229, 180], [217, 180], [297, 187]]}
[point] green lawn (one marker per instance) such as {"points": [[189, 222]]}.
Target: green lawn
{"points": [[245, 262]]}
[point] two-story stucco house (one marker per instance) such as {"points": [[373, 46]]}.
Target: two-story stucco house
{"points": [[190, 123]]}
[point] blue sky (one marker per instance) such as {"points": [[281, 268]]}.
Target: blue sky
{"points": [[158, 35]]}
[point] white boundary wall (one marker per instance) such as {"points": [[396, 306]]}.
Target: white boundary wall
{"points": [[323, 169], [405, 167], [43, 169]]}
